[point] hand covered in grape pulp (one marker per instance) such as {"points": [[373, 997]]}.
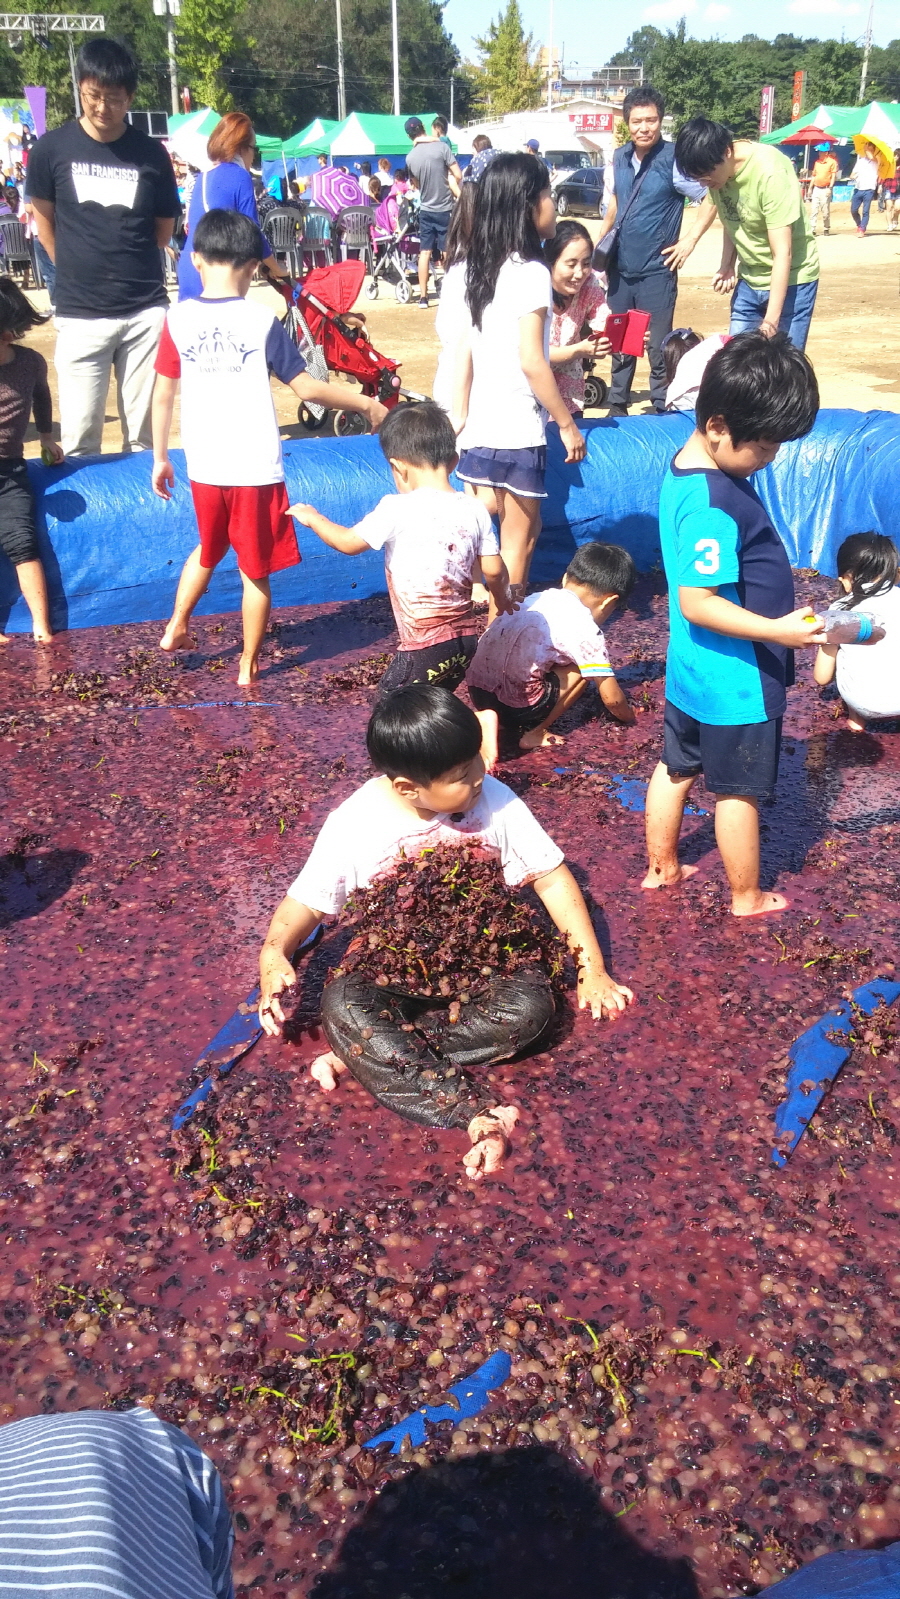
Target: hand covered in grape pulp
{"points": [[490, 1133]]}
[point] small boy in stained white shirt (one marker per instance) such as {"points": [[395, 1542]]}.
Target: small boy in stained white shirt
{"points": [[533, 665], [432, 790], [433, 540]]}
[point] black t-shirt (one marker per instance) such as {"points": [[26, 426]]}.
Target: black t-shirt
{"points": [[107, 199]]}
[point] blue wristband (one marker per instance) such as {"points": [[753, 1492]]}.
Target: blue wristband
{"points": [[865, 628]]}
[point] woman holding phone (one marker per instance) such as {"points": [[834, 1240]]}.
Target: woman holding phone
{"points": [[579, 301]]}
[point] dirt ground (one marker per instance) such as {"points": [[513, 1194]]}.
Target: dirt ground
{"points": [[855, 354]]}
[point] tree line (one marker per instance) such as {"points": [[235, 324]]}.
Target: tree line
{"points": [[276, 59], [720, 79]]}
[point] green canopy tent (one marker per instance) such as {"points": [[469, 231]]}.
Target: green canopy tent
{"points": [[316, 136], [366, 135], [832, 120]]}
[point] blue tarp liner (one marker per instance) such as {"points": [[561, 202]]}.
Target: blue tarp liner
{"points": [[113, 551], [852, 1574]]}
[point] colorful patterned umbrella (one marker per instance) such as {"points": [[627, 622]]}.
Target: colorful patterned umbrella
{"points": [[333, 189]]}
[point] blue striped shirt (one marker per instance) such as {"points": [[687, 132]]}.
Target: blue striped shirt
{"points": [[110, 1505]]}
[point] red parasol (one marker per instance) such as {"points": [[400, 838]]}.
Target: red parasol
{"points": [[810, 135]]}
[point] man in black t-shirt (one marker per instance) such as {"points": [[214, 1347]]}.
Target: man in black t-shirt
{"points": [[105, 202]]}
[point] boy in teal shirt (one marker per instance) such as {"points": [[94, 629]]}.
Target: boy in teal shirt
{"points": [[733, 627]]}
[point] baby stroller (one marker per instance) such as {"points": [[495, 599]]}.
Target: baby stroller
{"points": [[330, 339], [396, 247]]}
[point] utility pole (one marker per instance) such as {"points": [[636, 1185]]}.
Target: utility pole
{"points": [[341, 90], [452, 85], [170, 9], [867, 51], [41, 24], [550, 61], [395, 44]]}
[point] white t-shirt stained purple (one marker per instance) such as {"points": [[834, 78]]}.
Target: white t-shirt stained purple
{"points": [[431, 541], [549, 629], [370, 832]]}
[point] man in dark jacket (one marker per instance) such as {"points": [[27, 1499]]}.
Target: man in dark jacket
{"points": [[648, 251]]}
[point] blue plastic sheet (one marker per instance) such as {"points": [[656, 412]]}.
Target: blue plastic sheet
{"points": [[851, 1574], [113, 551], [467, 1398], [816, 1058]]}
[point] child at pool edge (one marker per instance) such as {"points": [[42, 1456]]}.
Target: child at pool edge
{"points": [[23, 388], [433, 538], [868, 674], [426, 744], [732, 627], [230, 434], [532, 666]]}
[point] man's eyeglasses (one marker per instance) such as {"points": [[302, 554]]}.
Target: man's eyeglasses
{"points": [[113, 102]]}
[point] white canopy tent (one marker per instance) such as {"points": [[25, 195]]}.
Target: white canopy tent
{"points": [[553, 133]]}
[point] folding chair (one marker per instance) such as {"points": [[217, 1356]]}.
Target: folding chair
{"points": [[283, 229], [354, 225]]}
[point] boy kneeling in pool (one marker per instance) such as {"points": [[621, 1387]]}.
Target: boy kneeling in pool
{"points": [[433, 790]]}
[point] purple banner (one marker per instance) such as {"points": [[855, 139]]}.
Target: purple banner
{"points": [[37, 101]]}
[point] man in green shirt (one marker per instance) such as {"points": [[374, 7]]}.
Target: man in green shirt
{"points": [[770, 262]]}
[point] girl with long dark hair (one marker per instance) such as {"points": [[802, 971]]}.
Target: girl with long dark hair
{"points": [[505, 387]]}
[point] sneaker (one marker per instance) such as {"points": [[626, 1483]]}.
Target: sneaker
{"points": [[861, 233], [617, 410], [423, 302]]}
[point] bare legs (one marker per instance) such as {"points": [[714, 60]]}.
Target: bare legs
{"points": [[737, 835], [33, 584], [192, 586], [255, 610], [520, 525]]}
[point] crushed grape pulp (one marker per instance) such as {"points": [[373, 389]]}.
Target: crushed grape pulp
{"points": [[711, 1342]]}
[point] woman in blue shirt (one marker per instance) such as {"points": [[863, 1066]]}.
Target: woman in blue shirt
{"points": [[228, 185]]}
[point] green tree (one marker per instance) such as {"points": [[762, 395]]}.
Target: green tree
{"points": [[208, 38], [281, 81], [509, 76]]}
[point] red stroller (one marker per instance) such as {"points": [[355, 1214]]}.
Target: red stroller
{"points": [[330, 340]]}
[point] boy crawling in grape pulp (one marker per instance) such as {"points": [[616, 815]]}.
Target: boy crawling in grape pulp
{"points": [[409, 1042]]}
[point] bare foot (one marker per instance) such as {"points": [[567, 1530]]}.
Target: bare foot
{"points": [[540, 739], [855, 726], [326, 1069], [42, 638], [5, 638], [247, 674], [490, 738], [175, 638], [668, 876], [490, 1134], [758, 904]]}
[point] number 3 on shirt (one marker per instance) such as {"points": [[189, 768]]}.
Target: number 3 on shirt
{"points": [[707, 551]]}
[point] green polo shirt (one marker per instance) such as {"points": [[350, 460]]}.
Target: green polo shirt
{"points": [[765, 194]]}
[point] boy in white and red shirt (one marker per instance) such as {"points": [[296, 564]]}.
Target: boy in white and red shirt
{"points": [[433, 540], [223, 348], [530, 667]]}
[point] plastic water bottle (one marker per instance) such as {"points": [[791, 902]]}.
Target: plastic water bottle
{"points": [[848, 627]]}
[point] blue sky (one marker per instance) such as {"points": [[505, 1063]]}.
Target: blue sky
{"points": [[595, 30]]}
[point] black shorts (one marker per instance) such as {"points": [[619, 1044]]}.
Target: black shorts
{"points": [[433, 227], [18, 535], [518, 718], [442, 664], [738, 760]]}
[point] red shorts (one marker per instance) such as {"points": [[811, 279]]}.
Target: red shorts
{"points": [[253, 519]]}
